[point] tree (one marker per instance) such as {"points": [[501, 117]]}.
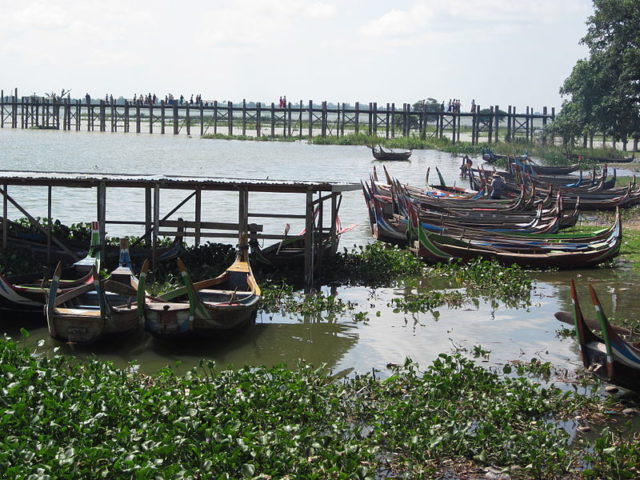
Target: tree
{"points": [[604, 89]]}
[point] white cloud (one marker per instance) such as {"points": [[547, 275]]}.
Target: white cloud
{"points": [[453, 19]]}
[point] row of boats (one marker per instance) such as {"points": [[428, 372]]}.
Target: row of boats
{"points": [[441, 223], [88, 307]]}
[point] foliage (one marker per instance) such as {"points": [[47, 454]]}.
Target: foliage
{"points": [[604, 89], [479, 278], [374, 264], [67, 417]]}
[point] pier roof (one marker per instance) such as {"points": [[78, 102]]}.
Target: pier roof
{"points": [[84, 179]]}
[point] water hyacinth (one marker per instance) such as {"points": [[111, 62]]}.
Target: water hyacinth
{"points": [[68, 418]]}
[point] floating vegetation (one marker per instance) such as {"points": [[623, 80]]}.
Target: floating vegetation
{"points": [[282, 298], [66, 417], [481, 280]]}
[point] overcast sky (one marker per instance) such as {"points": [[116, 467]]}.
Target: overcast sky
{"points": [[505, 52]]}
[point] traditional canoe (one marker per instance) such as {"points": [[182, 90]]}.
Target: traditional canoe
{"points": [[380, 153], [602, 159], [100, 308], [290, 250], [206, 308], [608, 355], [526, 251], [29, 293]]}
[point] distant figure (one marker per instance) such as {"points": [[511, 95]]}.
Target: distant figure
{"points": [[473, 106], [88, 98], [466, 166], [497, 186]]}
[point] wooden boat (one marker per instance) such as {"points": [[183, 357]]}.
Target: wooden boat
{"points": [[552, 169], [28, 293], [206, 308], [607, 355], [601, 159], [524, 250], [100, 308], [379, 153], [291, 249], [490, 157]]}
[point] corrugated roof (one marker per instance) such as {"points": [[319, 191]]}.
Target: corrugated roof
{"points": [[82, 179]]}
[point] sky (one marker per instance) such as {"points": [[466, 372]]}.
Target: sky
{"points": [[496, 52]]}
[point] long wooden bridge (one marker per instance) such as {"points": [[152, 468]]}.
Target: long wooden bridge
{"points": [[294, 120]]}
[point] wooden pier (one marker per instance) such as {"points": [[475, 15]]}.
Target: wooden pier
{"points": [[315, 196], [251, 119]]}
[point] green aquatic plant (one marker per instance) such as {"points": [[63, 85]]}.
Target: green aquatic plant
{"points": [[70, 417], [375, 264]]}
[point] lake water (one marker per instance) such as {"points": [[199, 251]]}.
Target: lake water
{"points": [[340, 343]]}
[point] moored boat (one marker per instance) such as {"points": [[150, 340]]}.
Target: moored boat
{"points": [[100, 308], [607, 355], [380, 153], [206, 308]]}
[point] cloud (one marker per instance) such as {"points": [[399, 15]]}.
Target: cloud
{"points": [[247, 23], [455, 19]]}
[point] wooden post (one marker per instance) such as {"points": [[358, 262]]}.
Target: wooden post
{"points": [[198, 216], [273, 126], [509, 119], [284, 120], [357, 118], [201, 117], [150, 117], [5, 220], [78, 114], [102, 116], [244, 117], [310, 119], [215, 117], [386, 122], [323, 119], [114, 119], [2, 111], [148, 218], [300, 119], [14, 110], [544, 126], [491, 122], [188, 119], [163, 117], [102, 214], [156, 223], [176, 126], [258, 119], [126, 116], [308, 242], [243, 210], [230, 118], [289, 118], [49, 220]]}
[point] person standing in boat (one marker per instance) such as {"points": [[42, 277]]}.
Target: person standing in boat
{"points": [[497, 186]]}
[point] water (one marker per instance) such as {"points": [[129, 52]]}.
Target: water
{"points": [[340, 343]]}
